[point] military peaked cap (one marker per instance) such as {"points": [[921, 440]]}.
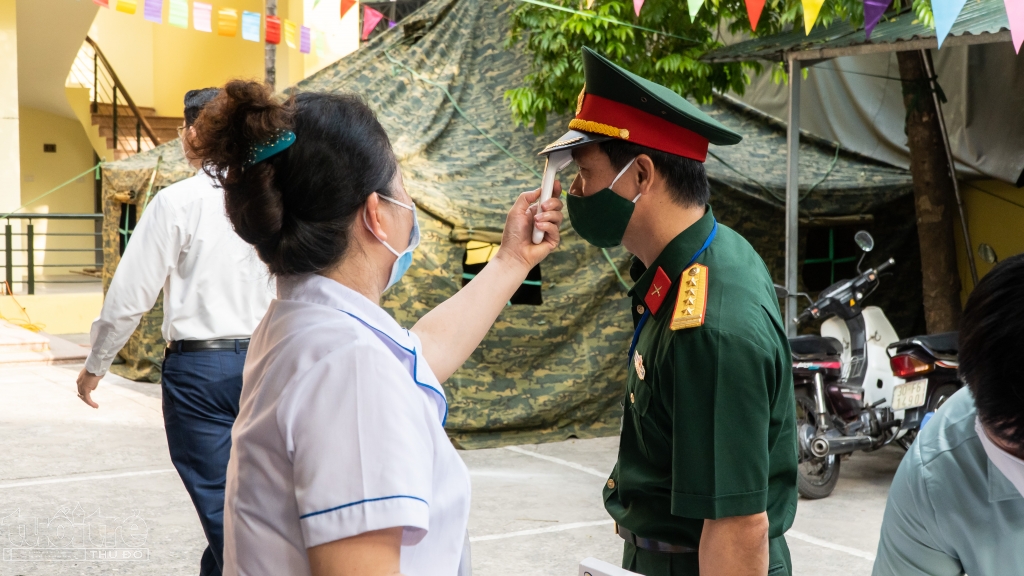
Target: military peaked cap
{"points": [[617, 104]]}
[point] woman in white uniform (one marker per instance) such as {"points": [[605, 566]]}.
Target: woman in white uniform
{"points": [[340, 464]]}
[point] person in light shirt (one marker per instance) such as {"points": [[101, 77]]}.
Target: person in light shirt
{"points": [[215, 292], [340, 464]]}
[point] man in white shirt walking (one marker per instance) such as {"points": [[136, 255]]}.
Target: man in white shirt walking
{"points": [[216, 291]]}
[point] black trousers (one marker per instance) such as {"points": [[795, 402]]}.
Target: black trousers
{"points": [[200, 403]]}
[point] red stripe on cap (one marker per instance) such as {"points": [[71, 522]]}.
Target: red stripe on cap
{"points": [[645, 129]]}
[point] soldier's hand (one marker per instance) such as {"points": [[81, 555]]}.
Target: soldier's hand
{"points": [[516, 240], [87, 382]]}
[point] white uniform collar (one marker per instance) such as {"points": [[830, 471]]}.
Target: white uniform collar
{"points": [[317, 289]]}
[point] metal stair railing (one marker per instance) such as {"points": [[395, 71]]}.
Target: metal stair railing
{"points": [[131, 132]]}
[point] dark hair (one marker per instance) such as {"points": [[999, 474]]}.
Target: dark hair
{"points": [[991, 340], [297, 206], [684, 176], [196, 100]]}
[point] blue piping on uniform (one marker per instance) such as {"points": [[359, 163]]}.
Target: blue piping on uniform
{"points": [[415, 362], [304, 516]]}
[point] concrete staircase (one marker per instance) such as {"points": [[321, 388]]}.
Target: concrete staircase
{"points": [[22, 347], [164, 127]]}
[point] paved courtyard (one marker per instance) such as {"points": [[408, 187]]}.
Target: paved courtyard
{"points": [[536, 510]]}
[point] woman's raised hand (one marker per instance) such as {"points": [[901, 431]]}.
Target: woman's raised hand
{"points": [[516, 240]]}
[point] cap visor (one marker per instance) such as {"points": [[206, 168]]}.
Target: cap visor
{"points": [[573, 139]]}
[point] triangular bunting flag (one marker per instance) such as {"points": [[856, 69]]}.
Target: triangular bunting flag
{"points": [[346, 5], [945, 12], [811, 10], [154, 11], [251, 26], [1015, 14], [273, 33], [201, 16], [177, 14], [127, 6], [637, 5], [694, 6], [227, 22], [291, 34], [371, 18], [305, 42], [754, 9], [873, 11]]}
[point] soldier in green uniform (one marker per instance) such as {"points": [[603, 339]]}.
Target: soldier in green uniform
{"points": [[705, 481]]}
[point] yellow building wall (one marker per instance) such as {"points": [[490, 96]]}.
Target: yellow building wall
{"points": [[44, 171], [995, 216], [55, 313]]}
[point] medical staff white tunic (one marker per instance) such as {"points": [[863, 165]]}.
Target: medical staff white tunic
{"points": [[340, 431]]}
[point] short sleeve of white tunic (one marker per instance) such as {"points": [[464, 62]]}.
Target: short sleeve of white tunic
{"points": [[339, 432], [353, 430]]}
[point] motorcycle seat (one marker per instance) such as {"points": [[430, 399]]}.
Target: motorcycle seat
{"points": [[946, 343], [812, 347]]}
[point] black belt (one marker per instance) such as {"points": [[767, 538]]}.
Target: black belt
{"points": [[201, 345], [651, 545]]}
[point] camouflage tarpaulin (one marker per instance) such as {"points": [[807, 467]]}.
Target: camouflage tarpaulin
{"points": [[555, 370]]}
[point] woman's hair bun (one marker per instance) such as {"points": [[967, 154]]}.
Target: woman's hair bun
{"points": [[295, 207]]}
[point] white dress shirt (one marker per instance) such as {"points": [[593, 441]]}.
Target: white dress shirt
{"points": [[215, 287], [339, 432]]}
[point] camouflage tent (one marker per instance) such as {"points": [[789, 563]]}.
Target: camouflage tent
{"points": [[554, 370]]}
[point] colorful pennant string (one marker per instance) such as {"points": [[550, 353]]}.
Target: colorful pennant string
{"points": [[1015, 14], [320, 42], [227, 22], [945, 12], [371, 18], [177, 14], [346, 5], [754, 9], [811, 10], [291, 33], [637, 5], [127, 6], [694, 6], [305, 41], [154, 11], [202, 14], [273, 31], [251, 26], [873, 11]]}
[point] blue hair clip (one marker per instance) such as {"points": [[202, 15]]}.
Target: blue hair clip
{"points": [[263, 150]]}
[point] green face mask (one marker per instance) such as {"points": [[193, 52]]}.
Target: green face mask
{"points": [[601, 218]]}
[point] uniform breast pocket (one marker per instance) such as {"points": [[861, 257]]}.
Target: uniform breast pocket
{"points": [[639, 403]]}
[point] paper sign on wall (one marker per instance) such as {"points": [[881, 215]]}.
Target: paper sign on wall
{"points": [[273, 30], [291, 32], [104, 3], [305, 41], [202, 14], [251, 26], [127, 6], [227, 22], [177, 14]]}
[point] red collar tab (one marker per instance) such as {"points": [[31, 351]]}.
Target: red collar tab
{"points": [[658, 291], [642, 128]]}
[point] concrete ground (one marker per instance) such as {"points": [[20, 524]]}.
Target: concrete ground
{"points": [[536, 510]]}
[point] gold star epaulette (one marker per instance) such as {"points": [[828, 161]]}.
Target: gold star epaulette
{"points": [[692, 301]]}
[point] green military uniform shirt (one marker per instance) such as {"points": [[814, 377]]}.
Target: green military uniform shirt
{"points": [[709, 425]]}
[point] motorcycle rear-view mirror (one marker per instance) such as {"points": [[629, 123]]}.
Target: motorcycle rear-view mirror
{"points": [[864, 241], [781, 292]]}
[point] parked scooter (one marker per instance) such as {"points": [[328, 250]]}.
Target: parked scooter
{"points": [[843, 379], [929, 365]]}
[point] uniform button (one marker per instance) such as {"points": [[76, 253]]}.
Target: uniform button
{"points": [[639, 309], [632, 399], [611, 484]]}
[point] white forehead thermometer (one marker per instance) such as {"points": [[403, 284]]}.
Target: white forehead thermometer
{"points": [[555, 162]]}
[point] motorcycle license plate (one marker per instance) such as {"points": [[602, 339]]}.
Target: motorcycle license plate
{"points": [[909, 395]]}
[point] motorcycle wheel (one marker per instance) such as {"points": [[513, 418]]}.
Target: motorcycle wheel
{"points": [[816, 477]]}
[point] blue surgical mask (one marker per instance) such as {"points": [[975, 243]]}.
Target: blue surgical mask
{"points": [[401, 265]]}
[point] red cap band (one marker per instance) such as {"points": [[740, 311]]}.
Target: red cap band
{"points": [[644, 129]]}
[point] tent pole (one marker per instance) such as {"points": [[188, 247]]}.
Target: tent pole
{"points": [[933, 80], [792, 193]]}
